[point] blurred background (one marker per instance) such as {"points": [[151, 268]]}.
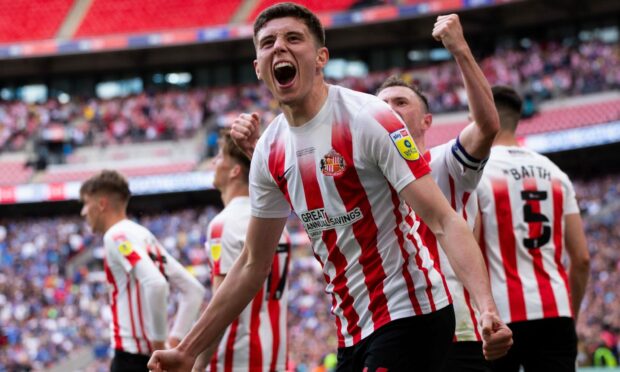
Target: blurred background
{"points": [[144, 87]]}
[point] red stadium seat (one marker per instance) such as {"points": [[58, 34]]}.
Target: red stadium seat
{"points": [[547, 121], [25, 20], [317, 6], [60, 175], [130, 16], [14, 173]]}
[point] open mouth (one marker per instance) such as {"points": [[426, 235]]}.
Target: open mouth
{"points": [[284, 72]]}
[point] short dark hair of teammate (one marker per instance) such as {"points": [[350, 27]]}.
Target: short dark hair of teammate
{"points": [[229, 148], [509, 105], [107, 182], [395, 81], [283, 10]]}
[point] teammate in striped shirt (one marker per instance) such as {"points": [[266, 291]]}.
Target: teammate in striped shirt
{"points": [[257, 339], [139, 272], [346, 164], [529, 218], [457, 167]]}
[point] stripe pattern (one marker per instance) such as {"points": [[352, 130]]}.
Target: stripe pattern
{"points": [[457, 174], [523, 200], [256, 340], [376, 267]]}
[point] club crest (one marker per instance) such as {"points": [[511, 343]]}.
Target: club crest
{"points": [[333, 164]]}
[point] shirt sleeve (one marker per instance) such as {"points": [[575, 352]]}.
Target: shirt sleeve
{"points": [[266, 198], [224, 245], [462, 166], [131, 254], [389, 144], [123, 250], [570, 201], [232, 244], [190, 290]]}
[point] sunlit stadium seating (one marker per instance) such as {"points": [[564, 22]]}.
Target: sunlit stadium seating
{"points": [[112, 17], [25, 20], [317, 6]]}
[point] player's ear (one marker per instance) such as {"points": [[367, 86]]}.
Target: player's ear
{"points": [[102, 202], [322, 57], [235, 171], [257, 70], [427, 120]]}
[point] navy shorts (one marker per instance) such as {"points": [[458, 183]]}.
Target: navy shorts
{"points": [[414, 344]]}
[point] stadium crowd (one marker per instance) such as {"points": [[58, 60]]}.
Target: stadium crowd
{"points": [[46, 314], [540, 71]]}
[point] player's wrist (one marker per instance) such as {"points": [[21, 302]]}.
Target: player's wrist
{"points": [[461, 52]]}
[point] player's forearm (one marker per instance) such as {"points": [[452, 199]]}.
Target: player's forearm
{"points": [[243, 280], [466, 260], [479, 95], [578, 280], [189, 307], [205, 357], [155, 292]]}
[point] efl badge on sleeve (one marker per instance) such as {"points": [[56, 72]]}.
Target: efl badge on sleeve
{"points": [[127, 251], [333, 164], [125, 248], [405, 145], [216, 252]]}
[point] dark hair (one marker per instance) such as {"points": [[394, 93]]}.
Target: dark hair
{"points": [[509, 105], [231, 149], [107, 182], [283, 10], [506, 96], [396, 81]]}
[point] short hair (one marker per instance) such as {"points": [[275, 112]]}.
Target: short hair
{"points": [[231, 149], [396, 81], [283, 10], [509, 105], [107, 182]]}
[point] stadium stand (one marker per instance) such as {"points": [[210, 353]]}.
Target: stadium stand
{"points": [[14, 172], [24, 20], [126, 16], [37, 277], [571, 113], [316, 6]]}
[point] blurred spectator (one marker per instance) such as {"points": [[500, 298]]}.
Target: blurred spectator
{"points": [[543, 70]]}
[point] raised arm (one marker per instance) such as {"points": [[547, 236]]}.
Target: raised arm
{"points": [[478, 136], [465, 257], [241, 284], [579, 265]]}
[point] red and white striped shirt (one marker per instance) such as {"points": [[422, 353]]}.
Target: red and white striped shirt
{"points": [[341, 172], [137, 317], [457, 174], [257, 339], [523, 199]]}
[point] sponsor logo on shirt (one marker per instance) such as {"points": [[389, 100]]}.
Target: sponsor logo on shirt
{"points": [[317, 220], [333, 164], [405, 145]]}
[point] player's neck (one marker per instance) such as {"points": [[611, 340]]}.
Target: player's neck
{"points": [[505, 138], [233, 191], [113, 218], [420, 144], [299, 113]]}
